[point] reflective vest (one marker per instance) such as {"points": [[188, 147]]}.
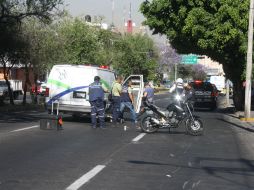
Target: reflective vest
{"points": [[96, 91], [125, 94]]}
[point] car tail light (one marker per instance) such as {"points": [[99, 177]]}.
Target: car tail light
{"points": [[47, 92], [198, 81], [214, 94], [39, 90]]}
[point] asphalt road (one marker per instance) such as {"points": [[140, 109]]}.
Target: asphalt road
{"points": [[80, 157]]}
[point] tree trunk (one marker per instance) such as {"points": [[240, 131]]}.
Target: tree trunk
{"points": [[10, 92], [238, 95], [27, 82], [35, 88]]}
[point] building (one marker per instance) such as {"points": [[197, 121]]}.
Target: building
{"points": [[211, 67]]}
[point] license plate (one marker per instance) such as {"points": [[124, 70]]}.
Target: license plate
{"points": [[80, 95]]}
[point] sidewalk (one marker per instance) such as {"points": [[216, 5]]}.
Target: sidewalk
{"points": [[236, 117]]}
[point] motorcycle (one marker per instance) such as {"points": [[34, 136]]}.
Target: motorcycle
{"points": [[181, 111]]}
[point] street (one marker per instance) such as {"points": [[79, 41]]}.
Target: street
{"points": [[80, 157]]}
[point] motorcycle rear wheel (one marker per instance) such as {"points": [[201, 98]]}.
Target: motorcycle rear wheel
{"points": [[147, 125], [195, 127]]}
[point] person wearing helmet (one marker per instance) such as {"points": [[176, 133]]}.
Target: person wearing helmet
{"points": [[178, 87]]}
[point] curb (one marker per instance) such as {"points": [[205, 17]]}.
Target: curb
{"points": [[247, 119]]}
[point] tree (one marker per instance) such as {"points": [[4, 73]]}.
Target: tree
{"points": [[198, 72], [80, 41], [16, 10], [214, 28], [40, 52], [12, 14], [135, 54]]}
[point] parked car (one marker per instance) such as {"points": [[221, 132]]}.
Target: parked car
{"points": [[205, 94], [16, 88], [41, 88]]}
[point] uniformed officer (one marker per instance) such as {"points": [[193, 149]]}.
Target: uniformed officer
{"points": [[178, 87], [96, 98]]}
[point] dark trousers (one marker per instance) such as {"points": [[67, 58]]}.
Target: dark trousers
{"points": [[97, 108], [116, 108]]}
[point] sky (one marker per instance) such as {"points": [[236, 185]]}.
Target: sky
{"points": [[104, 8]]}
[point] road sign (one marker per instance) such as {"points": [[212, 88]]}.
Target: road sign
{"points": [[189, 59]]}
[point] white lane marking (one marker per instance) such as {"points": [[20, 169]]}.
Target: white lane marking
{"points": [[23, 129], [185, 183], [138, 137], [85, 178]]}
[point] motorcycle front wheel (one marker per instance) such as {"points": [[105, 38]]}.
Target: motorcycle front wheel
{"points": [[147, 126], [194, 127]]}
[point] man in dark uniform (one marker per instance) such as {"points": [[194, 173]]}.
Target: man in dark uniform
{"points": [[96, 98]]}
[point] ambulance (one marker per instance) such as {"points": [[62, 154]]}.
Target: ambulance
{"points": [[68, 86]]}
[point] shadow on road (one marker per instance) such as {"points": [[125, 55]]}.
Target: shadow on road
{"points": [[216, 167], [236, 125]]}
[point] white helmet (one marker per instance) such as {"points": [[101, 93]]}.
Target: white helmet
{"points": [[179, 80]]}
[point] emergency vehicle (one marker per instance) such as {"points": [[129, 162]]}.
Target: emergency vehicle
{"points": [[68, 85]]}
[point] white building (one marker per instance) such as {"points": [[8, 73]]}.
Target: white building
{"points": [[212, 67]]}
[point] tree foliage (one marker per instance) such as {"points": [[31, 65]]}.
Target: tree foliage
{"points": [[12, 14], [135, 54], [214, 28]]}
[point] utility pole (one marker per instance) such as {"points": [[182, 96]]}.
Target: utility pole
{"points": [[175, 71], [247, 106]]}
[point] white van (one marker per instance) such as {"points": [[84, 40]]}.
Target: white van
{"points": [[68, 85], [219, 82]]}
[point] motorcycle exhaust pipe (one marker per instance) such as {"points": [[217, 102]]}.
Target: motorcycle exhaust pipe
{"points": [[156, 121]]}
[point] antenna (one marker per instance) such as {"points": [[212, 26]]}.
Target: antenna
{"points": [[113, 9], [130, 12]]}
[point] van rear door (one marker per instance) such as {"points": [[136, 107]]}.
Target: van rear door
{"points": [[138, 87]]}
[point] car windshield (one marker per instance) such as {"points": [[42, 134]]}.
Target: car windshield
{"points": [[203, 86]]}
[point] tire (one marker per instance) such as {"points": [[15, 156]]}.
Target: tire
{"points": [[147, 126], [195, 128], [213, 107]]}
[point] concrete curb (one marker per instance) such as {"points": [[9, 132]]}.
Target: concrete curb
{"points": [[247, 119]]}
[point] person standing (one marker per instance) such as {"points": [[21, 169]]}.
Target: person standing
{"points": [[127, 100], [96, 99], [116, 93], [148, 96], [177, 87], [149, 93]]}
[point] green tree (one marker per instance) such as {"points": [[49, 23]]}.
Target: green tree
{"points": [[80, 41], [12, 14], [214, 28], [135, 54], [41, 50]]}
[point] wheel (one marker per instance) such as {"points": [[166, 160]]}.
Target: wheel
{"points": [[213, 107], [194, 127], [147, 125]]}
